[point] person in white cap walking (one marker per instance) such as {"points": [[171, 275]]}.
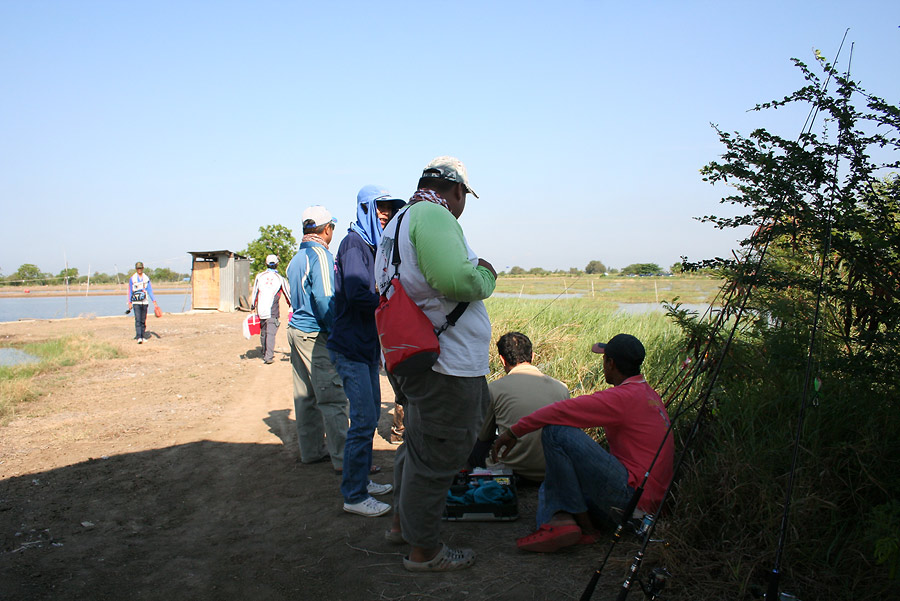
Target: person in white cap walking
{"points": [[320, 405], [266, 299], [446, 405]]}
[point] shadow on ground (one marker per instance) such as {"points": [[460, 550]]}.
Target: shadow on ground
{"points": [[211, 520]]}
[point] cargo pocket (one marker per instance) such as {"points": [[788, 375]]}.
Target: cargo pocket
{"points": [[445, 445]]}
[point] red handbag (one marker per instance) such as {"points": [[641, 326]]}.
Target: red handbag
{"points": [[408, 339], [156, 310]]}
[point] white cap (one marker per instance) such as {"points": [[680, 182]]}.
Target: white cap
{"points": [[319, 216], [271, 259]]}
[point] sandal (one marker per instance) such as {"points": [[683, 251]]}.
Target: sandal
{"points": [[548, 539], [589, 539], [446, 560], [395, 537]]}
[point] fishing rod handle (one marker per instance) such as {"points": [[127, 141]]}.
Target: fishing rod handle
{"points": [[589, 589]]}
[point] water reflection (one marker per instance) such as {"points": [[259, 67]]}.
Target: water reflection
{"points": [[13, 356]]}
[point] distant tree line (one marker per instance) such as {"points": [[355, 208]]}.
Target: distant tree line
{"points": [[596, 267], [30, 274]]}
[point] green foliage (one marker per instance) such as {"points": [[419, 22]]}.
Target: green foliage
{"points": [[826, 221], [884, 526], [595, 267], [27, 274], [275, 240], [71, 274], [164, 274], [564, 330], [19, 383], [516, 270], [537, 271], [642, 269]]}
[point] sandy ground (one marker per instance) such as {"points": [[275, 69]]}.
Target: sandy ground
{"points": [[172, 472]]}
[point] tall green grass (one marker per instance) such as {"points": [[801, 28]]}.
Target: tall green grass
{"points": [[693, 289], [564, 329], [730, 496], [22, 383], [723, 521]]}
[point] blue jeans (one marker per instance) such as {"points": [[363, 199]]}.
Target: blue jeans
{"points": [[363, 389], [140, 320], [581, 476]]}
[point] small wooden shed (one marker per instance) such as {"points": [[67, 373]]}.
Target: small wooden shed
{"points": [[220, 279]]}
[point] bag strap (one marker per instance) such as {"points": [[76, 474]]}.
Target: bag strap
{"points": [[457, 311]]}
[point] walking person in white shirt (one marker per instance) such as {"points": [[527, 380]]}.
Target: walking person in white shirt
{"points": [[139, 289], [265, 298]]}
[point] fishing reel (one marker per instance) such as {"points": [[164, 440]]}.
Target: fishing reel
{"points": [[656, 582], [641, 526]]}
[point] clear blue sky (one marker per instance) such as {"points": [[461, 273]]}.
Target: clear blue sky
{"points": [[143, 130]]}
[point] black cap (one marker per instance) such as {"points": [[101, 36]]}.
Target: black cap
{"points": [[622, 348]]}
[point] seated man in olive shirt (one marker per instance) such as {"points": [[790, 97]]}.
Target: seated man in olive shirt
{"points": [[519, 393]]}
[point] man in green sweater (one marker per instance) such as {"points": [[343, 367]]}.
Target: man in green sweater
{"points": [[445, 406]]}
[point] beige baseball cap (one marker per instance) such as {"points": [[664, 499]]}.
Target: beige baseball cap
{"points": [[451, 169]]}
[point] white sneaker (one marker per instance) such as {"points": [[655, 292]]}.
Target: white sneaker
{"points": [[375, 489], [371, 508], [140, 341]]}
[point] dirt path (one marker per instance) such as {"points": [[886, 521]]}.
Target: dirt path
{"points": [[171, 472]]}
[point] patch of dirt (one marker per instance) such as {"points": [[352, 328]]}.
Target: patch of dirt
{"points": [[172, 472]]}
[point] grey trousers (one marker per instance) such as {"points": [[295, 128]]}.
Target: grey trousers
{"points": [[320, 405], [443, 416], [267, 330]]}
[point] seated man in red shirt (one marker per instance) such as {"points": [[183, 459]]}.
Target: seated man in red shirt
{"points": [[582, 478]]}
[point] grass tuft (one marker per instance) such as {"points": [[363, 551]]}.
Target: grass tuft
{"points": [[23, 383]]}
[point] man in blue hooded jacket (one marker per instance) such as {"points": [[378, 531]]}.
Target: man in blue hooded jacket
{"points": [[354, 349]]}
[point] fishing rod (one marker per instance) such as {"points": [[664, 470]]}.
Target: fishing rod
{"points": [[772, 592], [774, 576], [646, 525], [658, 577]]}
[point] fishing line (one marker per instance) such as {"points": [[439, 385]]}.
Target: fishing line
{"points": [[759, 246], [772, 591]]}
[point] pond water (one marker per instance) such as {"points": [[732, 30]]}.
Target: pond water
{"points": [[638, 308], [55, 307], [13, 356]]}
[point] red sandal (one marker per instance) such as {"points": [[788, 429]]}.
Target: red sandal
{"points": [[548, 539]]}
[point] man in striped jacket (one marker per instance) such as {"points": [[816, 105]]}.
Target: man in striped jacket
{"points": [[320, 405]]}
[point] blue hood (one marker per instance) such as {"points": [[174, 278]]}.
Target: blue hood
{"points": [[367, 224]]}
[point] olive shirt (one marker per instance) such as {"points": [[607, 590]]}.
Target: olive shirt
{"points": [[519, 393]]}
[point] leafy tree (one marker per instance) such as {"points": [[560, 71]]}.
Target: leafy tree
{"points": [[164, 274], [676, 268], [595, 268], [28, 272], [642, 269], [537, 271], [102, 278], [71, 274], [516, 270], [574, 271], [824, 250], [275, 240]]}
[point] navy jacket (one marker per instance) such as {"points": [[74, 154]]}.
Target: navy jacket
{"points": [[355, 300]]}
